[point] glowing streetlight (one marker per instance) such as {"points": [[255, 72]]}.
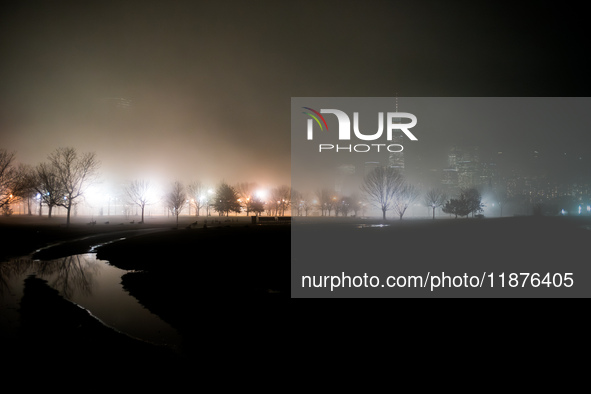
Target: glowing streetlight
{"points": [[210, 192]]}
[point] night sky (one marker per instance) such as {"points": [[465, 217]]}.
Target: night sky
{"points": [[195, 90]]}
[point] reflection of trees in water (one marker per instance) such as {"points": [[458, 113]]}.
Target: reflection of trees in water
{"points": [[12, 268], [70, 274], [67, 275]]}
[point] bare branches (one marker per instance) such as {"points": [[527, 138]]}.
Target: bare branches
{"points": [[47, 186], [176, 199], [8, 178], [324, 200], [381, 186], [198, 194], [248, 199], [434, 199], [139, 193], [405, 196], [74, 173], [281, 198]]}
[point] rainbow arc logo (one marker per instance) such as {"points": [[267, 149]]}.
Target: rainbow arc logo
{"points": [[316, 118]]}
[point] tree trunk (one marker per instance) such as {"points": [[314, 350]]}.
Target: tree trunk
{"points": [[69, 209], [383, 214], [50, 209], [433, 212], [143, 213]]}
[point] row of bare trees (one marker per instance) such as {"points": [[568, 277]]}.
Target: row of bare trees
{"points": [[386, 189], [225, 199], [60, 181]]}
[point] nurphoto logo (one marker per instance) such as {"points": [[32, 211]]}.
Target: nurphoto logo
{"points": [[395, 128]]}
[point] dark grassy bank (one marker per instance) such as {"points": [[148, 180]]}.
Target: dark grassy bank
{"points": [[187, 274], [58, 334], [22, 235]]}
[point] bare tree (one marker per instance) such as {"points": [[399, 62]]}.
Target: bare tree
{"points": [[355, 203], [9, 179], [337, 204], [176, 200], [47, 186], [325, 200], [306, 203], [74, 173], [139, 192], [301, 201], [346, 205], [403, 198], [381, 185], [20, 184], [297, 201], [434, 199], [198, 194], [246, 196], [26, 176], [256, 205], [281, 198]]}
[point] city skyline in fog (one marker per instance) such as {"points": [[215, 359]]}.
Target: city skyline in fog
{"points": [[514, 137]]}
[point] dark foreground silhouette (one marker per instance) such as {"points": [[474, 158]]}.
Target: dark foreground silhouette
{"points": [[55, 329], [213, 285], [193, 278]]}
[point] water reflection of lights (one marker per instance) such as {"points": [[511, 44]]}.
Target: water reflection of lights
{"points": [[372, 225]]}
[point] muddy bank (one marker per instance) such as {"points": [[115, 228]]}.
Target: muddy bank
{"points": [[66, 335], [191, 273]]}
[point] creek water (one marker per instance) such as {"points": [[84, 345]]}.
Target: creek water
{"points": [[92, 284]]}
